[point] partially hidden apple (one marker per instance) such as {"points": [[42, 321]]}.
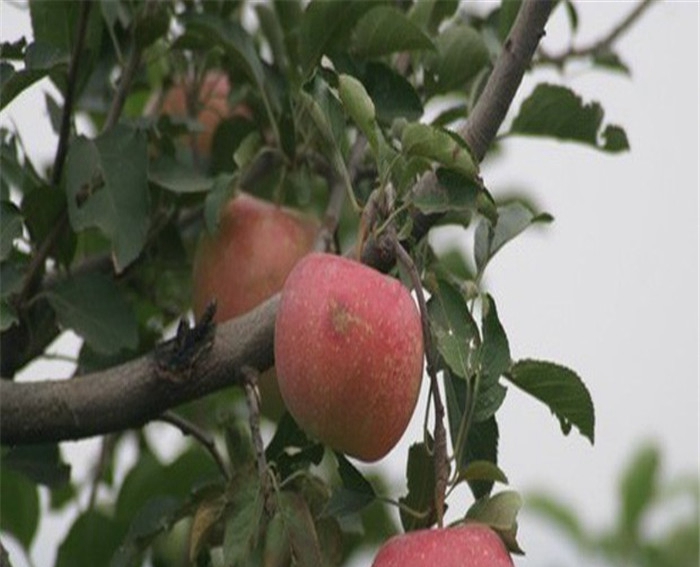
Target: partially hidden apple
{"points": [[247, 261], [210, 107], [349, 354], [467, 545]]}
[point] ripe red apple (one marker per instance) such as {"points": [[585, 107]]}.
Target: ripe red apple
{"points": [[349, 354], [247, 261], [212, 106], [468, 545]]}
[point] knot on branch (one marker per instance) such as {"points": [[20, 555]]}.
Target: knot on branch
{"points": [[177, 358]]}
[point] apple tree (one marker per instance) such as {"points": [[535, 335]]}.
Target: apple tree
{"points": [[370, 117]]}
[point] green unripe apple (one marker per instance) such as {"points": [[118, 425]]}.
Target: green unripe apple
{"points": [[349, 354]]}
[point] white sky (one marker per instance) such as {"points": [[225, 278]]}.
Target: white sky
{"points": [[610, 289]]}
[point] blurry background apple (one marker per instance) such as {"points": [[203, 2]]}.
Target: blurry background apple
{"points": [[247, 261], [468, 545], [349, 354], [210, 106]]}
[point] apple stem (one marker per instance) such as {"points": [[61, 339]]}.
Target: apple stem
{"points": [[440, 448], [252, 396], [203, 437]]}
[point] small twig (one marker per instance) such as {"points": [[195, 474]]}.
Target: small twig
{"points": [[602, 45], [106, 449], [127, 76], [440, 447], [336, 199], [252, 396], [206, 440], [39, 258]]}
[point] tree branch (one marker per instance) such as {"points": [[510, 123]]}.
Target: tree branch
{"points": [[134, 393], [600, 46]]}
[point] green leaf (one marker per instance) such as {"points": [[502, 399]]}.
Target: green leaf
{"points": [[452, 326], [299, 525], [107, 188], [461, 54], [560, 389], [149, 479], [12, 82], [638, 488], [291, 449], [498, 511], [242, 529], [93, 306], [43, 206], [558, 112], [420, 475], [384, 30], [92, 526], [156, 516], [429, 14], [42, 464], [360, 107], [495, 352], [19, 506], [8, 315], [483, 470], [513, 218], [438, 145], [174, 176], [355, 494], [393, 96], [481, 442], [325, 25], [10, 228], [453, 193]]}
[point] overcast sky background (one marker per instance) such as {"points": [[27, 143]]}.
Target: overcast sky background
{"points": [[610, 289]]}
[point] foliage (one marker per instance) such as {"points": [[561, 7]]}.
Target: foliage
{"points": [[644, 497], [100, 242]]}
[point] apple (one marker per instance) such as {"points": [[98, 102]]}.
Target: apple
{"points": [[247, 261], [349, 354], [212, 106], [467, 545]]}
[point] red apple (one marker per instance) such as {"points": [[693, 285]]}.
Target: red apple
{"points": [[211, 107], [468, 545], [349, 354], [247, 261]]}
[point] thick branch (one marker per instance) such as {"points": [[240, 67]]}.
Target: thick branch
{"points": [[134, 393]]}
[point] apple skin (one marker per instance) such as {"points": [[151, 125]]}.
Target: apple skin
{"points": [[246, 262], [468, 545], [349, 354]]}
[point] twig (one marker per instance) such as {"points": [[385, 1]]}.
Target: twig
{"points": [[39, 258], [252, 396], [440, 447], [206, 440], [600, 46], [106, 449], [334, 208], [127, 76]]}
